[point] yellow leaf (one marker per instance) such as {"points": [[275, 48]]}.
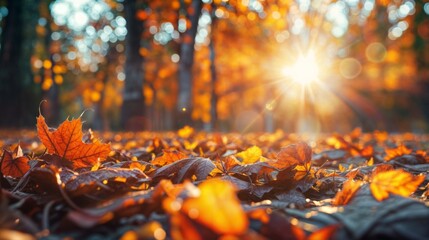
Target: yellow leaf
{"points": [[250, 155], [397, 182], [217, 207], [341, 168], [185, 132], [370, 162]]}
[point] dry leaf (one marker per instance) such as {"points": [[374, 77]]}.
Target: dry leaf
{"points": [[302, 171], [14, 166], [323, 233], [66, 142], [185, 169], [169, 156], [397, 182], [396, 152], [344, 196], [295, 154], [185, 132], [218, 208], [250, 155]]}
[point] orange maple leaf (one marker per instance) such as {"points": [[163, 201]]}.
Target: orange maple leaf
{"points": [[344, 196], [397, 182], [218, 208], [66, 142]]}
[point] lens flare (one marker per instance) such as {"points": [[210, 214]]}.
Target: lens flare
{"points": [[305, 70]]}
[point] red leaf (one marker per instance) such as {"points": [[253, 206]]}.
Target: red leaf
{"points": [[14, 167]]}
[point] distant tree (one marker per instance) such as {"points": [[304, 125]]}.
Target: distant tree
{"points": [[133, 102], [19, 95], [420, 28], [184, 102]]}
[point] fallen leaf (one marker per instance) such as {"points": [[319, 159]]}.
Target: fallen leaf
{"points": [[260, 214], [302, 171], [14, 166], [217, 207], [250, 155], [169, 156], [227, 163], [182, 228], [185, 132], [343, 197], [185, 169], [66, 142], [381, 168], [295, 154], [397, 182], [396, 152], [90, 180], [367, 151], [323, 233]]}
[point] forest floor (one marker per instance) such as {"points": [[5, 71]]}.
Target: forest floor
{"points": [[195, 185]]}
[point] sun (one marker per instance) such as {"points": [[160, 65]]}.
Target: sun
{"points": [[305, 70]]}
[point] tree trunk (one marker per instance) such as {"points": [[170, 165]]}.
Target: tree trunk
{"points": [[421, 48], [133, 105], [184, 101], [19, 95], [213, 75]]}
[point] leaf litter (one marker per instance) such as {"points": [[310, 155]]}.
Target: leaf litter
{"points": [[194, 185]]}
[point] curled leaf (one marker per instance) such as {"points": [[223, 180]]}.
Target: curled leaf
{"points": [[344, 196]]}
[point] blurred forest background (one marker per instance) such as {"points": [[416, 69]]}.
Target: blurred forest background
{"points": [[216, 64]]}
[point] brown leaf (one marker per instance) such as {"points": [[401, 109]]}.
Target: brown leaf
{"points": [[295, 154], [66, 142], [90, 180], [185, 169], [14, 167]]}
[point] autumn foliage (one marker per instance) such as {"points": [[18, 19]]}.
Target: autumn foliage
{"points": [[66, 143], [191, 185]]}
